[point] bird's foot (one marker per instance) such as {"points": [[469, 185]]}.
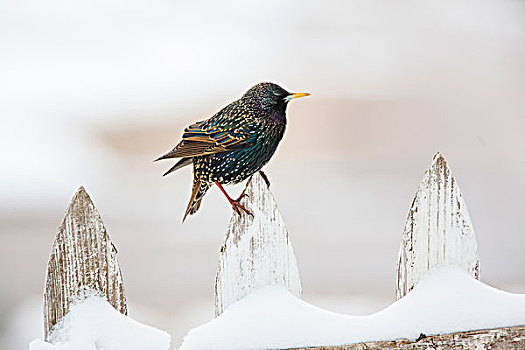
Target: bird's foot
{"points": [[265, 178], [235, 203], [237, 206]]}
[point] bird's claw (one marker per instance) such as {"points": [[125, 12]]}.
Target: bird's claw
{"points": [[242, 196], [237, 206]]}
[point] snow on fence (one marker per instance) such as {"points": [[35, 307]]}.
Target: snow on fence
{"points": [[83, 259], [257, 255], [257, 252], [84, 301]]}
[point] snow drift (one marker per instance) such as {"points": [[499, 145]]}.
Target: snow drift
{"points": [[446, 300], [95, 324]]}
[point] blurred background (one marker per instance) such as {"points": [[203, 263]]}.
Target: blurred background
{"points": [[92, 91]]}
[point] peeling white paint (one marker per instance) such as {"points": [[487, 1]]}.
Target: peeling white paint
{"points": [[83, 258], [438, 230], [257, 251]]}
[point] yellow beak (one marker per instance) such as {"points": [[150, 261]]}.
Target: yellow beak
{"points": [[298, 94]]}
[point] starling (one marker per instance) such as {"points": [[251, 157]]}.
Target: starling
{"points": [[233, 144]]}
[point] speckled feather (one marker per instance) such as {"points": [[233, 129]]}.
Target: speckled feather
{"points": [[235, 143]]}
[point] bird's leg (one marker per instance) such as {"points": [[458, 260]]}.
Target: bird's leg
{"points": [[234, 203], [265, 178]]}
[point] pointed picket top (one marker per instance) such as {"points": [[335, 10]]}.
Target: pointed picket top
{"points": [[437, 231], [257, 250], [83, 259]]}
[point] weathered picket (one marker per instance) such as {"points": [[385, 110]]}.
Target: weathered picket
{"points": [[257, 250], [438, 229], [83, 259]]}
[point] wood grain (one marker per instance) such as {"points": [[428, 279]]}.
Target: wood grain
{"points": [[438, 230], [83, 260], [257, 250], [494, 339]]}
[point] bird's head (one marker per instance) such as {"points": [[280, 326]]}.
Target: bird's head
{"points": [[270, 97]]}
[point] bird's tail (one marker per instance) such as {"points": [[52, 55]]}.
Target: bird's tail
{"points": [[197, 193]]}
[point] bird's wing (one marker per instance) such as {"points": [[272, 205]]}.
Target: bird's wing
{"points": [[221, 133]]}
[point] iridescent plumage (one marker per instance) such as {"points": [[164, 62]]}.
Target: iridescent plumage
{"points": [[235, 143]]}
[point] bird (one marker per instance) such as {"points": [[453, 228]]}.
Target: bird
{"points": [[233, 144]]}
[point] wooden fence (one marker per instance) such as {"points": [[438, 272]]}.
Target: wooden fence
{"points": [[257, 252], [83, 259]]}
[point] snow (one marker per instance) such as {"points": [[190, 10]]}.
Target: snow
{"points": [[446, 300], [95, 324]]}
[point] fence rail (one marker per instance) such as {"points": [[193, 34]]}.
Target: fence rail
{"points": [[492, 339]]}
